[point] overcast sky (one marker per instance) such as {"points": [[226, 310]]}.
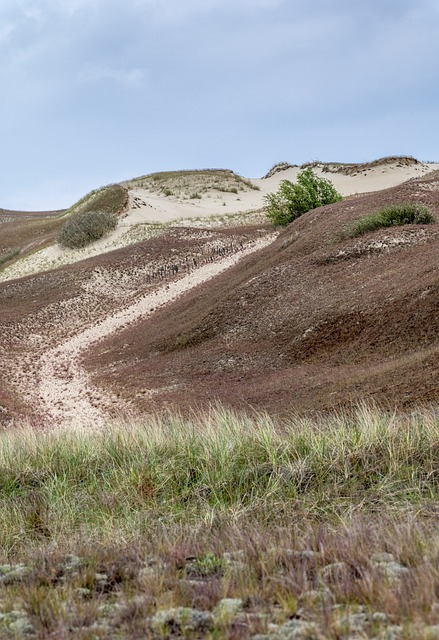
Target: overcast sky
{"points": [[97, 91]]}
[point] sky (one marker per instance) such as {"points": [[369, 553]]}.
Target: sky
{"points": [[99, 91]]}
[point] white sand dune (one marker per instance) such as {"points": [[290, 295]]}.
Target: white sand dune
{"points": [[147, 210], [158, 209]]}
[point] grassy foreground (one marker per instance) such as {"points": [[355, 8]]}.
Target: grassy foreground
{"points": [[222, 526]]}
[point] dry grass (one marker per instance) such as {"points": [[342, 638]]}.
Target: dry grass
{"points": [[193, 184], [317, 527], [111, 199]]}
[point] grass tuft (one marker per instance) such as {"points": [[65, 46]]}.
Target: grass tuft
{"points": [[394, 215], [8, 255]]}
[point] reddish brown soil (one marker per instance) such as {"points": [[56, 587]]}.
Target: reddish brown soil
{"points": [[26, 231], [310, 323], [40, 312]]}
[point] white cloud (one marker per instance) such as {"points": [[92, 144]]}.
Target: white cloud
{"points": [[174, 11], [6, 31], [128, 77], [72, 7], [34, 14]]}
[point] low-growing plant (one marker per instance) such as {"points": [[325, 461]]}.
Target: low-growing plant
{"points": [[222, 525], [206, 565], [393, 215], [8, 255], [294, 199], [227, 189], [86, 227], [112, 199]]}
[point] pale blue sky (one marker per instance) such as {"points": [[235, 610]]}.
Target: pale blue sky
{"points": [[96, 91]]}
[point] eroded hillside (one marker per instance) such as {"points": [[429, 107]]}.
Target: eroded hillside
{"points": [[311, 322], [188, 312]]}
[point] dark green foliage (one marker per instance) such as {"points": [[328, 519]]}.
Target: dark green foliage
{"points": [[393, 215], [293, 199], [86, 227]]}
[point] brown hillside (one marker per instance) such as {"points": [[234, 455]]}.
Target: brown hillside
{"points": [[41, 311], [311, 322]]}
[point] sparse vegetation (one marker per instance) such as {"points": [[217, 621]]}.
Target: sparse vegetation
{"points": [[86, 227], [294, 199], [394, 215], [278, 166], [199, 527], [8, 255], [112, 199], [185, 184], [227, 189]]}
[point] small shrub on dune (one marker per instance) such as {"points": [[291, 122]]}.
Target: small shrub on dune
{"points": [[84, 228], [292, 200], [391, 216]]}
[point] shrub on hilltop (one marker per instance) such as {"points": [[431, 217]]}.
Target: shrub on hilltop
{"points": [[86, 227], [294, 199]]}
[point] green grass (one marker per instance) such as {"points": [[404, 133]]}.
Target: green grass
{"points": [[107, 533], [183, 470], [393, 215]]}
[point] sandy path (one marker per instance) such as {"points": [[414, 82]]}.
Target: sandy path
{"points": [[64, 390]]}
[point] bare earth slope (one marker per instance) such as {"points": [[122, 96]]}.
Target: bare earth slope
{"points": [[48, 320], [310, 322], [194, 314]]}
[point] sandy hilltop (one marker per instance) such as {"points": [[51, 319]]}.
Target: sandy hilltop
{"points": [[191, 197], [194, 298]]}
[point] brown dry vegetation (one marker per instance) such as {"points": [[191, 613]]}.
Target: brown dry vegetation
{"points": [[309, 323], [223, 525], [38, 312], [313, 322]]}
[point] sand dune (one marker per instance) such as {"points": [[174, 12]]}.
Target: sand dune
{"points": [[147, 209]]}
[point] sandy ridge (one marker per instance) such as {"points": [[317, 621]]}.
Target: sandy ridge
{"points": [[64, 390], [148, 211]]}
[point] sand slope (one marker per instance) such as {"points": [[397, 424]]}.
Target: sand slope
{"points": [[148, 210]]}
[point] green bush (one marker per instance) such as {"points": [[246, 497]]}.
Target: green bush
{"points": [[393, 215], [86, 227], [293, 199]]}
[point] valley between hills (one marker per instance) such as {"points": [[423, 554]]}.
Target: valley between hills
{"points": [[212, 427], [195, 299]]}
